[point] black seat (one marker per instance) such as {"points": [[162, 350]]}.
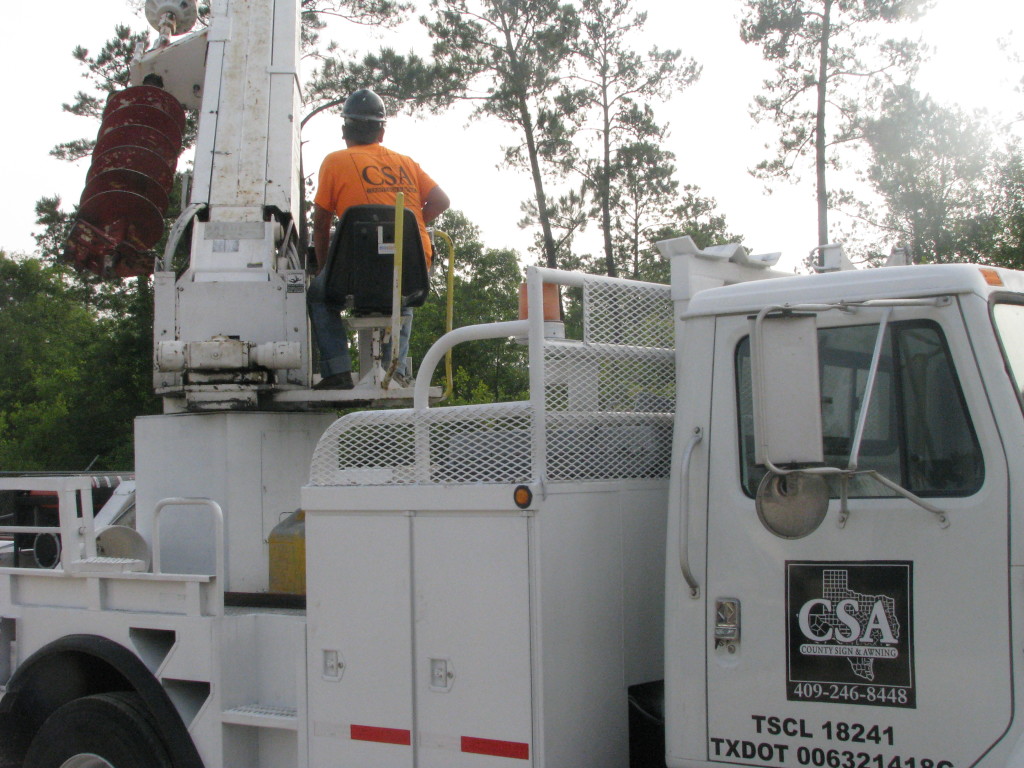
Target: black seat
{"points": [[361, 258]]}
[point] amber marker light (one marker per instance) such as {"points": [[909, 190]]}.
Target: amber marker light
{"points": [[992, 277], [522, 496]]}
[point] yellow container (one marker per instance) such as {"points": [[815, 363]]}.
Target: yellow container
{"points": [[288, 555]]}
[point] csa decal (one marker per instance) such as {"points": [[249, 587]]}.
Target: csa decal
{"points": [[849, 633]]}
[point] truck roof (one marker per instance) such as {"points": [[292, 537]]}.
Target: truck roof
{"points": [[857, 285]]}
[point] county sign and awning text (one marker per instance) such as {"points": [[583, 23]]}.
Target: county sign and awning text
{"points": [[850, 633]]}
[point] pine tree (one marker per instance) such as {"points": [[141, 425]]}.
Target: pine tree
{"points": [[612, 88], [511, 56], [828, 66]]}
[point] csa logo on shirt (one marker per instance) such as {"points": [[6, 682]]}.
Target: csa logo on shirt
{"points": [[380, 176], [849, 632]]}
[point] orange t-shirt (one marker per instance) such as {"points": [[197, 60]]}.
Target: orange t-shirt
{"points": [[371, 174]]}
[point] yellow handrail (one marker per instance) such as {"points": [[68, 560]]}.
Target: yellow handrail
{"points": [[396, 298], [396, 288]]}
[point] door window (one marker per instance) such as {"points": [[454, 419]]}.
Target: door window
{"points": [[918, 432]]}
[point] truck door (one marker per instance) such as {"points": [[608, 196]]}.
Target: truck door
{"points": [[881, 640]]}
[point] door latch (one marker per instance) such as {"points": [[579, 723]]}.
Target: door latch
{"points": [[442, 675], [727, 623]]}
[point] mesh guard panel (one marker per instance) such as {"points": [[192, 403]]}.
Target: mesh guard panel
{"points": [[465, 444], [608, 412]]}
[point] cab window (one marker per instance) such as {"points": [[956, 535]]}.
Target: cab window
{"points": [[918, 432]]}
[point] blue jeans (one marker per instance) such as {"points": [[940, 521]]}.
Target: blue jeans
{"points": [[330, 332]]}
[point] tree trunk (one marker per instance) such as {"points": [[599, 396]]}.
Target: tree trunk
{"points": [[605, 188], [636, 250], [819, 131], [550, 251]]}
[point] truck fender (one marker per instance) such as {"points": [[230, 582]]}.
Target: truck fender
{"points": [[82, 665]]}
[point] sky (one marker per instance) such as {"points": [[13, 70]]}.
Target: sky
{"points": [[711, 132]]}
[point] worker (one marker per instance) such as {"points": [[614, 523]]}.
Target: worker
{"points": [[365, 172]]}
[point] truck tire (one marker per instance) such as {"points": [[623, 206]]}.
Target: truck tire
{"points": [[107, 730], [14, 740]]}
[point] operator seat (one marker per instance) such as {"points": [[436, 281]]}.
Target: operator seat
{"points": [[361, 258]]}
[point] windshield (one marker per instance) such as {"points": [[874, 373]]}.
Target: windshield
{"points": [[1009, 322]]}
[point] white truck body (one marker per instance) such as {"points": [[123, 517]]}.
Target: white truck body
{"points": [[446, 625], [792, 499], [471, 628], [919, 669]]}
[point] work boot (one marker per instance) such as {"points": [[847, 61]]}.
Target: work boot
{"points": [[403, 381], [341, 380]]}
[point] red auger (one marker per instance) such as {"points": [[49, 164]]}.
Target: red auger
{"points": [[121, 214]]}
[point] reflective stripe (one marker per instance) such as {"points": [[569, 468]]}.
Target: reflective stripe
{"points": [[381, 735], [470, 744], [496, 748]]}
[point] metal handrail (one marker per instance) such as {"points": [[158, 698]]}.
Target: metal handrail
{"points": [[74, 512], [218, 519], [177, 230], [502, 330], [684, 513], [449, 313], [30, 529]]}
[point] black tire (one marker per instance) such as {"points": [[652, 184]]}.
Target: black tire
{"points": [[13, 740], [116, 728]]}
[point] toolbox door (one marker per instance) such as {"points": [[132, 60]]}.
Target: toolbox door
{"points": [[472, 641], [880, 639], [359, 616]]}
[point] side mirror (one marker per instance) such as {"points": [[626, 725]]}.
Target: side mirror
{"points": [[786, 390]]}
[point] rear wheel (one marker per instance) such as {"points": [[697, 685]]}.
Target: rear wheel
{"points": [[107, 730], [13, 741]]}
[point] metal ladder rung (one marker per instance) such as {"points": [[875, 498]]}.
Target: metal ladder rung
{"points": [[262, 716], [108, 565]]}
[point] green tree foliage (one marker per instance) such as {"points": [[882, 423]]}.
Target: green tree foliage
{"points": [[568, 216], [697, 216], [648, 205], [368, 13], [611, 99], [644, 198], [512, 56], [68, 395], [107, 72], [932, 165], [685, 212], [1008, 250], [578, 96], [692, 214], [404, 80], [486, 290], [828, 65], [108, 379]]}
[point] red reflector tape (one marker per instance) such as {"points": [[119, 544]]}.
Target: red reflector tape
{"points": [[381, 735], [496, 748]]}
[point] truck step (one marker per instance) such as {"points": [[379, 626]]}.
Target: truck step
{"points": [[262, 716], [108, 565]]}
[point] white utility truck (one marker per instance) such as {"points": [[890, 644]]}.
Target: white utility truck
{"points": [[789, 499]]}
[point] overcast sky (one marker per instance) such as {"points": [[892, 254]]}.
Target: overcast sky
{"points": [[712, 134]]}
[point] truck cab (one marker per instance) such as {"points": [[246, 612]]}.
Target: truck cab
{"points": [[843, 550]]}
